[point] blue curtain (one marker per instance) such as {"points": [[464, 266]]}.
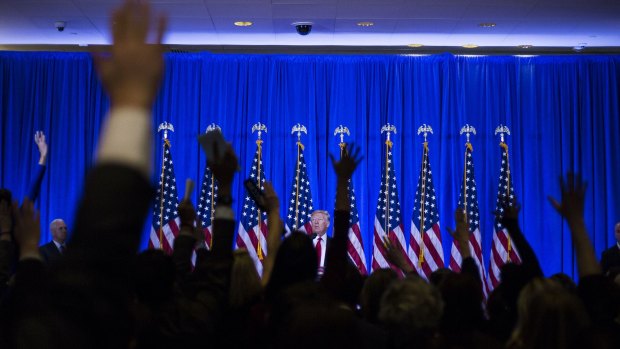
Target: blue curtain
{"points": [[563, 112]]}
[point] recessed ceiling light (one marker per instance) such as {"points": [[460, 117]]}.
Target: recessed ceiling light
{"points": [[243, 23], [487, 25], [525, 46], [415, 45], [365, 24], [470, 46]]}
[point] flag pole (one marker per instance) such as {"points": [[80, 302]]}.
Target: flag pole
{"points": [[164, 126], [467, 129], [387, 128], [299, 128], [212, 127], [423, 129], [260, 128], [501, 129], [341, 131]]}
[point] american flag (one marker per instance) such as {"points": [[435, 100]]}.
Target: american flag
{"points": [[206, 204], [252, 234], [165, 215], [502, 250], [355, 246], [425, 249], [468, 200], [300, 202], [387, 216]]}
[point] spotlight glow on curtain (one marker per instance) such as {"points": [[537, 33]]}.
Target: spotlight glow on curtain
{"points": [[563, 112]]}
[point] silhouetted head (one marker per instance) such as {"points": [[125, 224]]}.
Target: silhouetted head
{"points": [[373, 290], [549, 317], [154, 277], [245, 284], [295, 262]]}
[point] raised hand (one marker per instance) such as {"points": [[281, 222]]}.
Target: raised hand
{"points": [[396, 256], [27, 227], [6, 217], [573, 197], [348, 162], [224, 168], [271, 198], [510, 212], [187, 213], [39, 140], [461, 235], [132, 72]]}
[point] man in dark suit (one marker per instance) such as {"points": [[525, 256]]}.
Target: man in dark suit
{"points": [[611, 256], [320, 222], [54, 249]]}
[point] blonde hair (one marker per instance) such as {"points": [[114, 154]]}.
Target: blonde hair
{"points": [[245, 283]]}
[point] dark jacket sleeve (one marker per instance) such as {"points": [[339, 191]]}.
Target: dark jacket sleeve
{"points": [[182, 256], [336, 256], [35, 186], [529, 261], [7, 264]]}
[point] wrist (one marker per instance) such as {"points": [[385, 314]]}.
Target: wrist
{"points": [[224, 189], [224, 199]]}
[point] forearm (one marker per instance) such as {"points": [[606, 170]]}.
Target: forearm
{"points": [[127, 139], [274, 226], [586, 257], [182, 253], [35, 186], [343, 202], [528, 257]]}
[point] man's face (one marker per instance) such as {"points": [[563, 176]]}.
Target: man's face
{"points": [[319, 223], [59, 231], [617, 231]]}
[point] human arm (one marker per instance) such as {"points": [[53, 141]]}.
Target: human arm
{"points": [[396, 257], [510, 221], [336, 255], [131, 76], [462, 236], [571, 208], [186, 240], [35, 187], [275, 228]]}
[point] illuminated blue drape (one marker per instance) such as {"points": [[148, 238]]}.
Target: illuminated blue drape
{"points": [[563, 111]]}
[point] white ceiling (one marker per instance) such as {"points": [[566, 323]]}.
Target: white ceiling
{"points": [[542, 23]]}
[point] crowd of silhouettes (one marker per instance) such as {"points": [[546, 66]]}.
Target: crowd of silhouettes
{"points": [[104, 293]]}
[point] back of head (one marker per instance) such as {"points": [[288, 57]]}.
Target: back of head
{"points": [[154, 276], [245, 284], [565, 281], [439, 275], [6, 196], [463, 299], [550, 317], [295, 262], [373, 290], [411, 310], [306, 316]]}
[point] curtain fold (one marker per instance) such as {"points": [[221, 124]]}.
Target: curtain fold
{"points": [[563, 113]]}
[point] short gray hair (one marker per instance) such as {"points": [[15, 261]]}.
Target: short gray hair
{"points": [[57, 220], [411, 304], [325, 213]]}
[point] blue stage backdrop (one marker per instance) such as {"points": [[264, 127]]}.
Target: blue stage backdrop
{"points": [[563, 111]]}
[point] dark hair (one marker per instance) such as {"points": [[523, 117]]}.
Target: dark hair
{"points": [[154, 276], [5, 195], [373, 289], [295, 262]]}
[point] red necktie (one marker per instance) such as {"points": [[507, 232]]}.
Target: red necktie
{"points": [[319, 250]]}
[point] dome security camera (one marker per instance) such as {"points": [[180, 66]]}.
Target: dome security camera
{"points": [[303, 28], [60, 25]]}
